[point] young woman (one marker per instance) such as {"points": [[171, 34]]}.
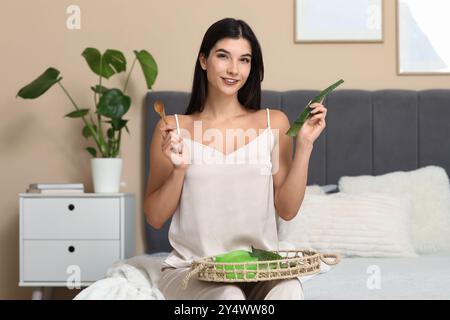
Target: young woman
{"points": [[224, 196]]}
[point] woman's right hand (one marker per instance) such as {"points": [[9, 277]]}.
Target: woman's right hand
{"points": [[173, 148]]}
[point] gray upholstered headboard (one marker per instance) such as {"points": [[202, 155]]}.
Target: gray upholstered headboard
{"points": [[367, 133]]}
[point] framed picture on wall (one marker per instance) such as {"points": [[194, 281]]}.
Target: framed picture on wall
{"points": [[338, 20], [423, 41]]}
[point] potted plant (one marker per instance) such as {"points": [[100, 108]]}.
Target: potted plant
{"points": [[111, 104]]}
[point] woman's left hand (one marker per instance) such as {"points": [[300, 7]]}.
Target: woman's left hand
{"points": [[313, 126]]}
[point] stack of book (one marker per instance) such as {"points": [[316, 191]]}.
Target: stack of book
{"points": [[56, 188]]}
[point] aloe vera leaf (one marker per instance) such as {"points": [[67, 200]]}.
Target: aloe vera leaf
{"points": [[290, 264], [298, 123], [264, 255]]}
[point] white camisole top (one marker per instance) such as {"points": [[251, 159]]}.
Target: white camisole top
{"points": [[227, 201]]}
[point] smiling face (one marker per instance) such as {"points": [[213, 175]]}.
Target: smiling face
{"points": [[228, 65]]}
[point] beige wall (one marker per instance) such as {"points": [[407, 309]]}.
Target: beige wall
{"points": [[38, 145]]}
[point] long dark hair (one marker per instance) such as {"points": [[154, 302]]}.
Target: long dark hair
{"points": [[250, 94]]}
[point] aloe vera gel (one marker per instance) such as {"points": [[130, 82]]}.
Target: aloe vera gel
{"points": [[237, 256], [242, 256]]}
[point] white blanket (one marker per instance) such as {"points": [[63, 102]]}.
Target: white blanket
{"points": [[132, 279]]}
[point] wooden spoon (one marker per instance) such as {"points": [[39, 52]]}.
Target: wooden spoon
{"points": [[159, 108]]}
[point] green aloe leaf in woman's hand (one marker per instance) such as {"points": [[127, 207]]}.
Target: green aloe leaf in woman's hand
{"points": [[298, 123]]}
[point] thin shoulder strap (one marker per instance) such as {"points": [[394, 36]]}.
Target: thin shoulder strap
{"points": [[178, 125], [268, 118]]}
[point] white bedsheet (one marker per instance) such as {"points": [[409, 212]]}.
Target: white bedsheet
{"points": [[422, 278]]}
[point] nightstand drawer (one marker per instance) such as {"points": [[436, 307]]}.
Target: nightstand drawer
{"points": [[71, 218], [65, 260]]}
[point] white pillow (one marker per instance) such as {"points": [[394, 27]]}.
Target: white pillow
{"points": [[430, 194], [366, 225]]}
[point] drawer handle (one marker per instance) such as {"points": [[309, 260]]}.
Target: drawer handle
{"points": [[71, 207], [71, 249]]}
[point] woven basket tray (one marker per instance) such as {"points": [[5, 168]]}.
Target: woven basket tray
{"points": [[295, 263]]}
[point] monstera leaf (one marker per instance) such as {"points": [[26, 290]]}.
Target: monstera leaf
{"points": [[113, 104], [148, 65], [106, 65], [40, 85]]}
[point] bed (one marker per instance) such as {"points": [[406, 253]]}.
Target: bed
{"points": [[368, 133], [426, 277]]}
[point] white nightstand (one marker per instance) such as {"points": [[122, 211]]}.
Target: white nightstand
{"points": [[65, 237]]}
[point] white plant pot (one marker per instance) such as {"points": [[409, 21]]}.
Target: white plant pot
{"points": [[106, 174]]}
